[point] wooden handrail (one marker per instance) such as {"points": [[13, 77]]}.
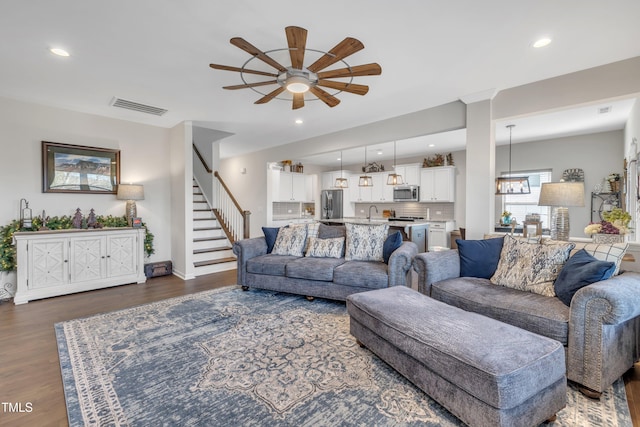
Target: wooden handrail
{"points": [[204, 162], [233, 199]]}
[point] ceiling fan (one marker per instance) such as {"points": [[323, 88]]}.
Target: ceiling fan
{"points": [[298, 79]]}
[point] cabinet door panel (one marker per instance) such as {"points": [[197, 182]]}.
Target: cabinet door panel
{"points": [[48, 263], [88, 259], [121, 255]]}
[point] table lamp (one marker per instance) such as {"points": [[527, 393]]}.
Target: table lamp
{"points": [[130, 193], [561, 195]]}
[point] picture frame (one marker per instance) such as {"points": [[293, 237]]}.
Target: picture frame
{"points": [[68, 168], [136, 222]]}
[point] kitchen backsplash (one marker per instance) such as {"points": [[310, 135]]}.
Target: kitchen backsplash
{"points": [[442, 211]]}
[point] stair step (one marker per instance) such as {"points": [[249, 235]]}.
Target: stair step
{"points": [[199, 201], [207, 228], [207, 250], [214, 261], [202, 210], [206, 239], [204, 219]]}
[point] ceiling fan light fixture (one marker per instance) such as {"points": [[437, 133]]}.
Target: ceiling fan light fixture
{"points": [[297, 84]]}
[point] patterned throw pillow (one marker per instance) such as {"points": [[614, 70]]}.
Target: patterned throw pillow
{"points": [[325, 248], [312, 231], [290, 241], [365, 242], [530, 267], [601, 251]]}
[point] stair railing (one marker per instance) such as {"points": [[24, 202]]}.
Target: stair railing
{"points": [[234, 221], [232, 218]]}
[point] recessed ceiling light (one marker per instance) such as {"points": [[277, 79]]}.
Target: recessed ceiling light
{"points": [[542, 42], [59, 52], [299, 121], [379, 152], [432, 145]]}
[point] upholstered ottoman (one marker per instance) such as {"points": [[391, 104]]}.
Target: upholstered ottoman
{"points": [[485, 372]]}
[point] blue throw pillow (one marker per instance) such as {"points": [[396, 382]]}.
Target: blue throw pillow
{"points": [[479, 258], [581, 270], [270, 235], [391, 243]]}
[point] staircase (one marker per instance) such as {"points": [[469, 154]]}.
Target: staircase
{"points": [[211, 248]]}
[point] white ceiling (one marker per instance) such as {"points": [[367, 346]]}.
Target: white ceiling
{"points": [[157, 52]]}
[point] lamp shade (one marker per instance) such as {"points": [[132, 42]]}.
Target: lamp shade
{"points": [[130, 192], [563, 194]]}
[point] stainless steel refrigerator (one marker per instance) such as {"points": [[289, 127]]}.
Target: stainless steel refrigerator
{"points": [[331, 204]]}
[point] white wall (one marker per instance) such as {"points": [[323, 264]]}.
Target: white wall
{"points": [[144, 160]]}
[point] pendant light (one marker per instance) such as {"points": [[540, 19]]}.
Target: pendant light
{"points": [[511, 185], [365, 180], [341, 182], [394, 178]]}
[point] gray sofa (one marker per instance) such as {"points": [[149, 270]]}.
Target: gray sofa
{"points": [[600, 330], [331, 278]]}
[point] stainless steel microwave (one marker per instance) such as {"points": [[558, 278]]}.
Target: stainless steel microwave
{"points": [[406, 193]]}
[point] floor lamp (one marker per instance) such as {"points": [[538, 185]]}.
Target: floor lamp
{"points": [[561, 195]]}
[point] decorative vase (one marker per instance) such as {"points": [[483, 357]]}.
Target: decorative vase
{"points": [[608, 238], [506, 220]]}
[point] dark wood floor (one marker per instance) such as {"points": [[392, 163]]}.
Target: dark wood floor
{"points": [[29, 366]]}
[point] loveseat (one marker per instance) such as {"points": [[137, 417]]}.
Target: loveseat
{"points": [[599, 328], [321, 276]]}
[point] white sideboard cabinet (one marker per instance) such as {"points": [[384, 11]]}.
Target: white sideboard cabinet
{"points": [[60, 262]]}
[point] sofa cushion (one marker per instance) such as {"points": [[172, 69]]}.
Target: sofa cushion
{"points": [[530, 267], [290, 241], [313, 268], [365, 274], [601, 251], [311, 229], [391, 243], [270, 264], [364, 242], [332, 248], [331, 231], [479, 258], [581, 270], [540, 314], [270, 235]]}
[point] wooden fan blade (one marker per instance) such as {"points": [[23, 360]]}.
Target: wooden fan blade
{"points": [[252, 50], [241, 70], [372, 69], [347, 87], [270, 82], [268, 97], [297, 40], [325, 97], [346, 47], [298, 100]]}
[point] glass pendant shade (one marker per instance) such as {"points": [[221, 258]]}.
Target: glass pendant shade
{"points": [[511, 185], [394, 178], [365, 180], [341, 182]]}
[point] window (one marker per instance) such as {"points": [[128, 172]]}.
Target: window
{"points": [[522, 204]]}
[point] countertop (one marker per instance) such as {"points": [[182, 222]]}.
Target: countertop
{"points": [[402, 224]]}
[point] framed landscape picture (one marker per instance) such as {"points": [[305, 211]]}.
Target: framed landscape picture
{"points": [[78, 169]]}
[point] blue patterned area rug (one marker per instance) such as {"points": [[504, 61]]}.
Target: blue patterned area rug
{"points": [[233, 358]]}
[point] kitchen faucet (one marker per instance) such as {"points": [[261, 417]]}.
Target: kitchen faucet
{"points": [[372, 206]]}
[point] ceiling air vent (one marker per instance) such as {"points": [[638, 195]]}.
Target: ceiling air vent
{"points": [[604, 110], [135, 106]]}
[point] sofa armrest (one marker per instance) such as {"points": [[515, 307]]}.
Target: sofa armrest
{"points": [[400, 264], [435, 266], [245, 250], [603, 330]]}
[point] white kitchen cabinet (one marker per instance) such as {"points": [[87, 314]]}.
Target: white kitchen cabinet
{"points": [[359, 194], [311, 185], [437, 184], [381, 192], [410, 173], [61, 262], [291, 187]]}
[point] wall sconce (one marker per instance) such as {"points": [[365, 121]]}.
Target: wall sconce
{"points": [[130, 193]]}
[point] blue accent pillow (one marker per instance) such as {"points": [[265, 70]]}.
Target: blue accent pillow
{"points": [[391, 243], [270, 235], [580, 270], [479, 258]]}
